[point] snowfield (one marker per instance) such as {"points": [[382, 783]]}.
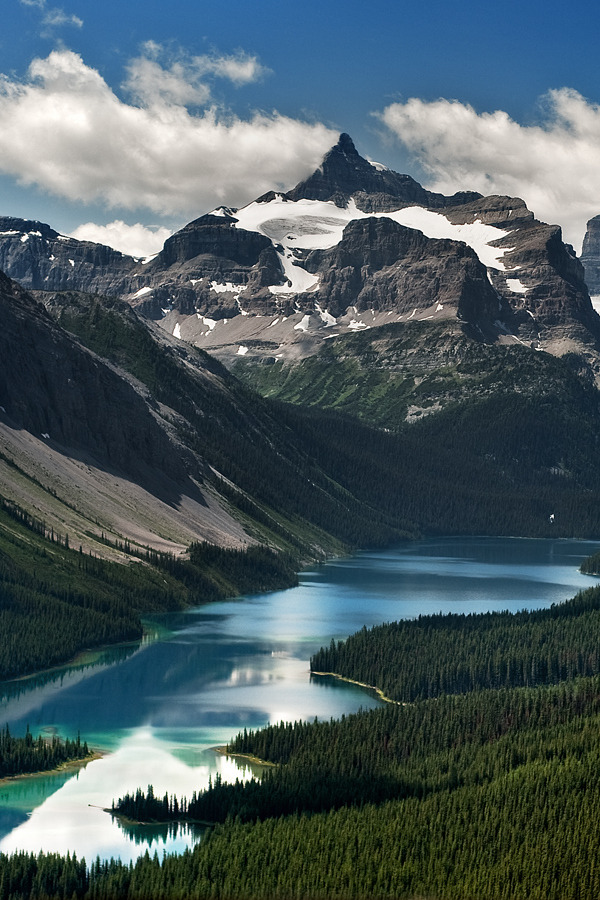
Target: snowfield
{"points": [[319, 225]]}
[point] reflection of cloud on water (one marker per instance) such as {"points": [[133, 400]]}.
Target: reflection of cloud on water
{"points": [[260, 689], [73, 818]]}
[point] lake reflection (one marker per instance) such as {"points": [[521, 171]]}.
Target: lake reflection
{"points": [[160, 706]]}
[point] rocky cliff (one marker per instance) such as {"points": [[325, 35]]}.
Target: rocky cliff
{"points": [[344, 174], [541, 279], [40, 258], [590, 255], [382, 266]]}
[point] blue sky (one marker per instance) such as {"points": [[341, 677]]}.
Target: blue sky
{"points": [[137, 117]]}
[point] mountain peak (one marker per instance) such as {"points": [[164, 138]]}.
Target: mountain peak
{"points": [[345, 174], [342, 173], [344, 145]]}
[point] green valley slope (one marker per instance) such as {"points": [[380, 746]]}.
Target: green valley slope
{"points": [[123, 445]]}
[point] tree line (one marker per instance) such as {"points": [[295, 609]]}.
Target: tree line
{"points": [[56, 601], [448, 654], [22, 755]]}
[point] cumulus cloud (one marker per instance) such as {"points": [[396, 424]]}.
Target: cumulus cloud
{"points": [[134, 240], [554, 166], [66, 131]]}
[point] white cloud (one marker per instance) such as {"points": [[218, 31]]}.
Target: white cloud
{"points": [[64, 130], [148, 84], [53, 16], [57, 17], [183, 79], [134, 240], [553, 166], [240, 69]]}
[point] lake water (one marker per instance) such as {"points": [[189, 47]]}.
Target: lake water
{"points": [[158, 708]]}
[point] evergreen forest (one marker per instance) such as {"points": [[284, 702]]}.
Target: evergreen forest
{"points": [[56, 601], [477, 791], [23, 755]]}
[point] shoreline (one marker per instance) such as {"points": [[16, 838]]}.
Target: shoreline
{"points": [[89, 655], [137, 823], [63, 767], [370, 687], [83, 658], [255, 760]]}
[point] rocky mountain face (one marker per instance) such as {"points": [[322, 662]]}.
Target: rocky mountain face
{"points": [[353, 246], [381, 266], [541, 278], [58, 391], [590, 255], [40, 258], [113, 431]]}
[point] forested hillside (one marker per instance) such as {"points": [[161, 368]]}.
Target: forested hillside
{"points": [[455, 654], [515, 441], [391, 373], [56, 600], [518, 458], [489, 793]]}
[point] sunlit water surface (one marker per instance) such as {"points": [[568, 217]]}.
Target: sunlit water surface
{"points": [[158, 708]]}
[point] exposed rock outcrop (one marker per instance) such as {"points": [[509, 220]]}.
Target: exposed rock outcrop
{"points": [[40, 258], [590, 255], [541, 279], [352, 237], [383, 266]]}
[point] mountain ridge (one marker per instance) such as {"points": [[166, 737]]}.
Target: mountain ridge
{"points": [[274, 279]]}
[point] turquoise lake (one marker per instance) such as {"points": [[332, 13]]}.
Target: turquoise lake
{"points": [[159, 707]]}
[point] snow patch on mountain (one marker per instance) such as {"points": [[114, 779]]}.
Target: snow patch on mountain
{"points": [[298, 279], [325, 316], [303, 323], [227, 287], [379, 166], [303, 225], [516, 286], [476, 234]]}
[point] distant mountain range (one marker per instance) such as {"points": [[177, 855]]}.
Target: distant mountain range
{"points": [[354, 246], [360, 299]]}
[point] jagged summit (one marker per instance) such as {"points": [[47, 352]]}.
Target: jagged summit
{"points": [[344, 174], [354, 246], [10, 225]]}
